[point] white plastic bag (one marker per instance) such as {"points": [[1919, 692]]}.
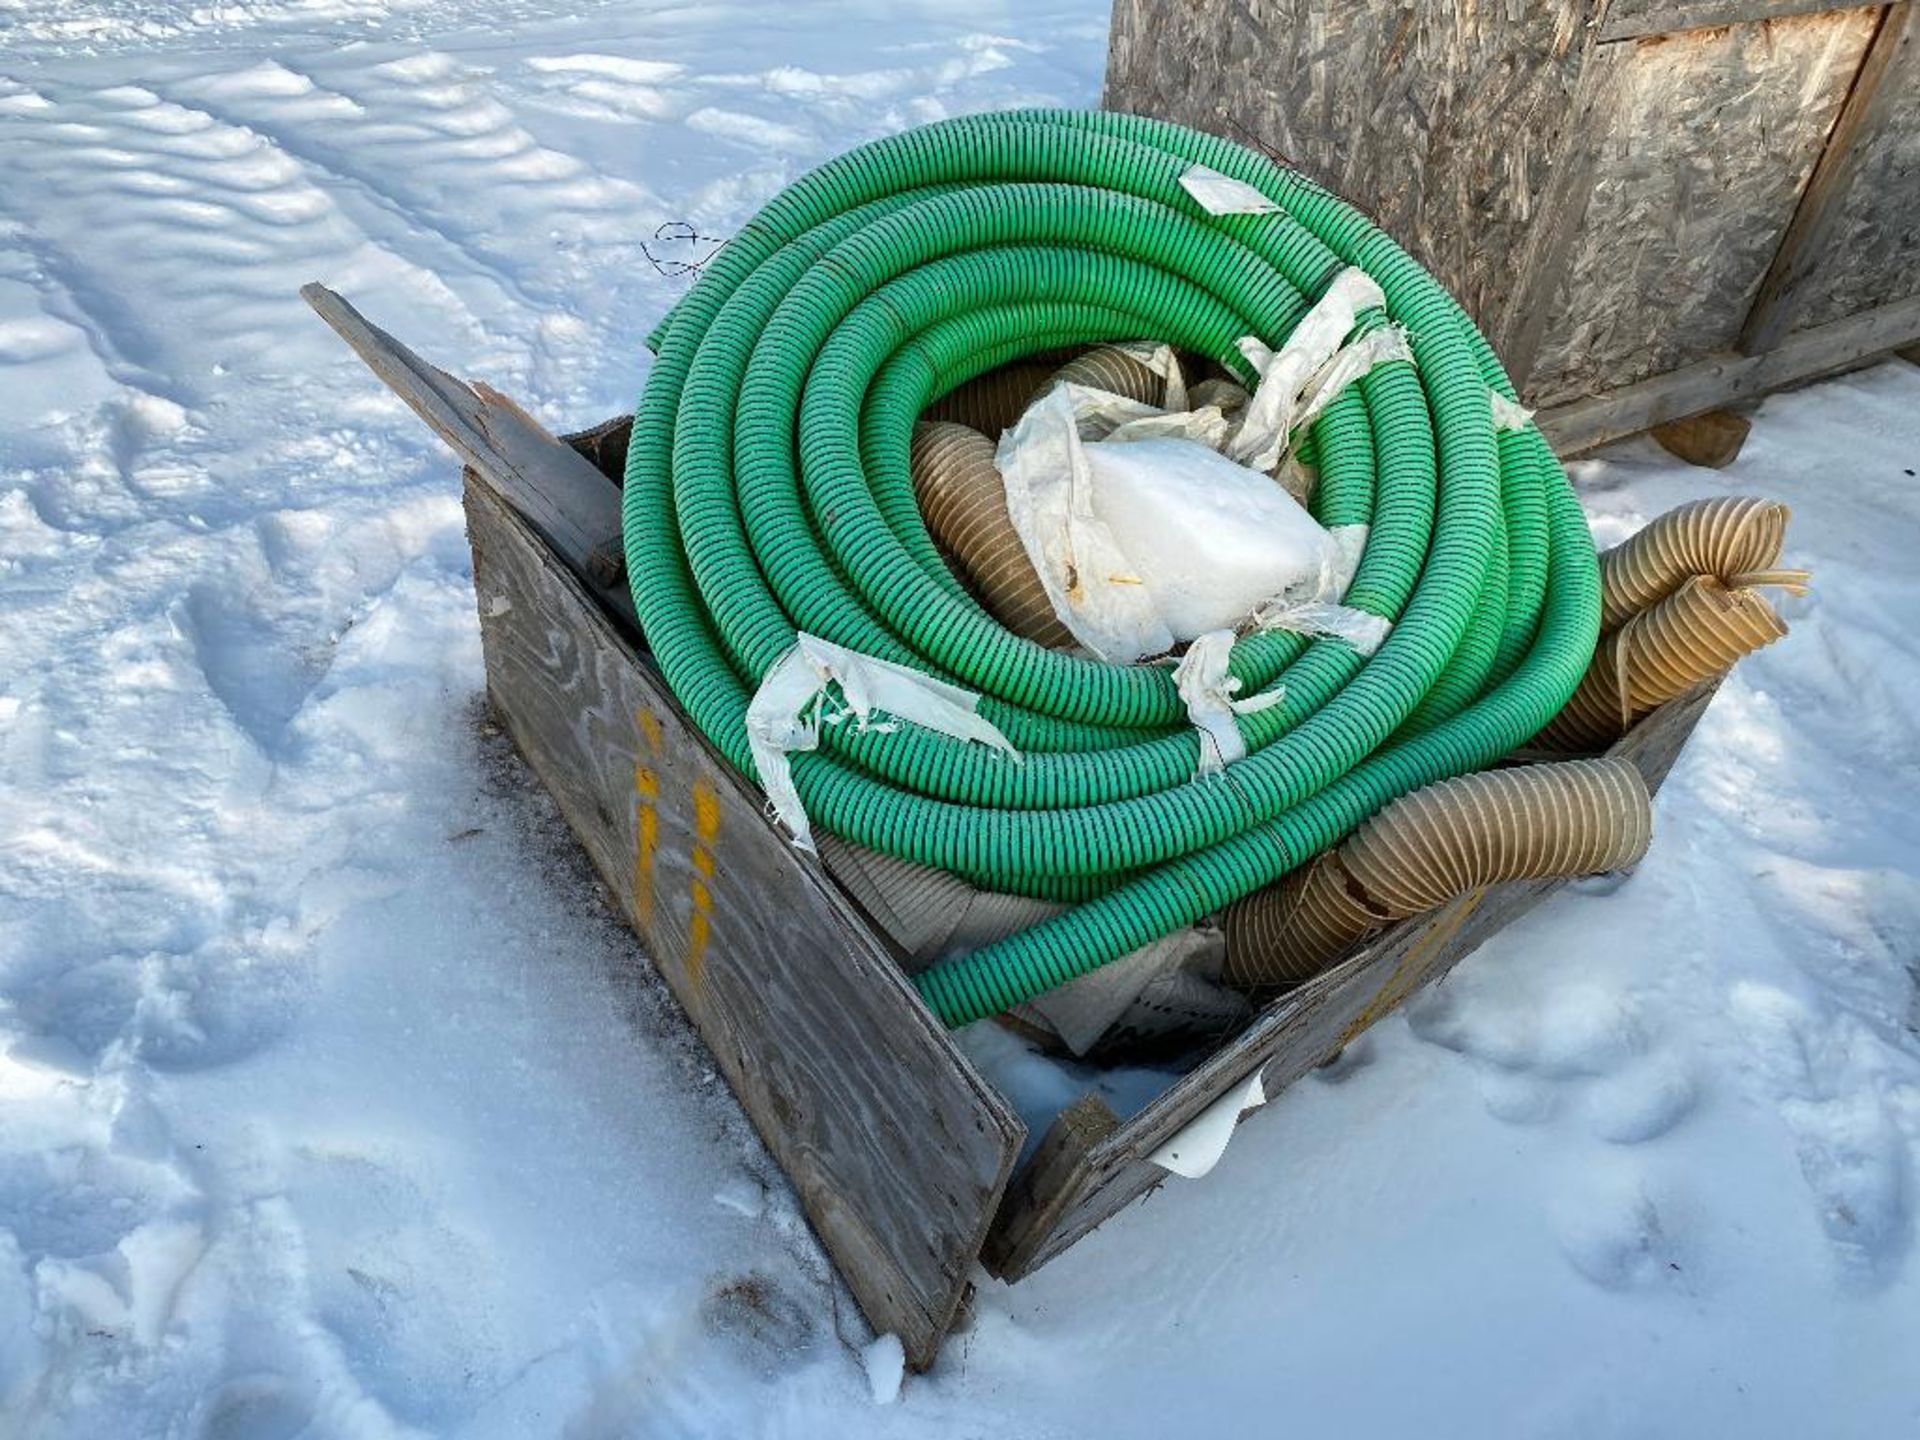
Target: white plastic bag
{"points": [[1208, 539]]}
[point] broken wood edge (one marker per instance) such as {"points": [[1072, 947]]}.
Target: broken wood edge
{"points": [[1046, 1184]]}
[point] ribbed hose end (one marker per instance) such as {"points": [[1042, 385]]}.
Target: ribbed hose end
{"points": [[1697, 632], [1575, 817], [1287, 933], [964, 503], [1726, 536]]}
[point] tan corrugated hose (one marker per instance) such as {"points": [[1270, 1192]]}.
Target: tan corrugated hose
{"points": [[993, 401], [1698, 631], [1572, 817], [965, 505], [1735, 538], [1680, 602]]}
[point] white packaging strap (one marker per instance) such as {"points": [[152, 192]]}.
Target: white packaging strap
{"points": [[1308, 368], [785, 714], [1320, 612], [1209, 693], [1222, 194], [1086, 575], [1348, 364], [1508, 414], [1163, 360]]}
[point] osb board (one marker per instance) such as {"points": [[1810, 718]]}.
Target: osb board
{"points": [[1871, 254], [1442, 121], [1708, 141]]}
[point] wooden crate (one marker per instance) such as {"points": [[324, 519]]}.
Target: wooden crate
{"points": [[902, 1153], [1652, 207]]}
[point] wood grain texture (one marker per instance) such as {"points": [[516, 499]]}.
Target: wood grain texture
{"points": [[1631, 19], [1862, 246], [1730, 377], [898, 1149], [1710, 138], [1049, 1183], [1443, 121], [1293, 1035]]}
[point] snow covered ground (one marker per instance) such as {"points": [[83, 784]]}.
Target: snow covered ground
{"points": [[331, 1102]]}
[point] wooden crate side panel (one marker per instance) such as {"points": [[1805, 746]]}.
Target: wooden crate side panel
{"points": [[1298, 1032], [1708, 142], [1869, 255], [899, 1151], [1443, 122]]}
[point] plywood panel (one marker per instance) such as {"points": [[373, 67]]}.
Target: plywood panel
{"points": [[1710, 139], [1443, 121], [1870, 251], [897, 1147]]}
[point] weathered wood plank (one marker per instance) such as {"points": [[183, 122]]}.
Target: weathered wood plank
{"points": [[1048, 1184], [1713, 439], [556, 488], [1710, 139], [1633, 19], [1866, 253], [897, 1147], [1444, 122], [1729, 377], [1805, 258], [1297, 1032]]}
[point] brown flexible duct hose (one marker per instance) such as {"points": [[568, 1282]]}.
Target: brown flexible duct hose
{"points": [[1735, 538], [965, 506], [993, 401], [1107, 367], [964, 500], [1572, 817], [1698, 631]]}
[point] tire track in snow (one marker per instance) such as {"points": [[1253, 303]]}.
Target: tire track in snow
{"points": [[220, 225], [427, 138], [279, 102]]}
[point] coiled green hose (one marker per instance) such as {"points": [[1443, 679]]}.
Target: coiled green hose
{"points": [[768, 490]]}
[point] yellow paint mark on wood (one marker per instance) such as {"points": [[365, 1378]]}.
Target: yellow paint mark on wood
{"points": [[650, 727], [706, 830], [1412, 969], [646, 820], [706, 810]]}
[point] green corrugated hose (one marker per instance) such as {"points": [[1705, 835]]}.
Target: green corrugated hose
{"points": [[768, 490]]}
